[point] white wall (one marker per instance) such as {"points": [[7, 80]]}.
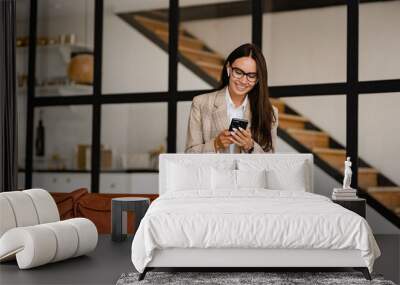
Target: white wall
{"points": [[379, 132], [309, 46], [379, 40]]}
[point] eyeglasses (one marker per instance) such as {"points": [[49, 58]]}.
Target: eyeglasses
{"points": [[238, 74]]}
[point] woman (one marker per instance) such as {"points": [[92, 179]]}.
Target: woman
{"points": [[243, 94]]}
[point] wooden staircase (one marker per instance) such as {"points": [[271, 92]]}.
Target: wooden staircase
{"points": [[193, 52], [207, 64]]}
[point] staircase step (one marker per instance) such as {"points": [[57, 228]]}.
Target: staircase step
{"points": [[202, 55], [367, 177], [153, 24], [214, 70], [310, 138], [334, 157], [160, 14], [291, 121], [278, 104], [184, 41], [209, 65], [389, 196]]}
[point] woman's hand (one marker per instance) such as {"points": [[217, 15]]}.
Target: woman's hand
{"points": [[242, 138], [222, 141]]}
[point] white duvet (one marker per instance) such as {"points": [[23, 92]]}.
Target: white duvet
{"points": [[253, 218]]}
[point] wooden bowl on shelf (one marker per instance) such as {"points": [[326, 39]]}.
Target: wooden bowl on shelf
{"points": [[80, 68]]}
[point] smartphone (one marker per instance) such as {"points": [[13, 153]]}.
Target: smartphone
{"points": [[236, 123]]}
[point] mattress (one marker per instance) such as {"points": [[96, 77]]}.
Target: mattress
{"points": [[251, 219]]}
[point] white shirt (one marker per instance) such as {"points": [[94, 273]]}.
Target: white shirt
{"points": [[234, 112]]}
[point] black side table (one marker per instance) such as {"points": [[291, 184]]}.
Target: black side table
{"points": [[357, 205], [137, 205]]}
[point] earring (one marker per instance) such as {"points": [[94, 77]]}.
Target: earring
{"points": [[227, 72]]}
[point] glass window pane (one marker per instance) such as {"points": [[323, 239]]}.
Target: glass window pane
{"points": [[378, 147], [327, 112], [135, 51], [379, 40], [62, 138], [134, 140], [64, 57], [131, 146], [306, 46], [205, 43], [319, 124]]}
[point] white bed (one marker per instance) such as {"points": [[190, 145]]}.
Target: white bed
{"points": [[230, 211]]}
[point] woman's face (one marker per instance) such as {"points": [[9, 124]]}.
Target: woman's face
{"points": [[242, 75]]}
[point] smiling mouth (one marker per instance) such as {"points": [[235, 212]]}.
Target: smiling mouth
{"points": [[240, 87]]}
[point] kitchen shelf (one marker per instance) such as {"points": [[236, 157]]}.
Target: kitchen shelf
{"points": [[60, 90], [65, 50]]}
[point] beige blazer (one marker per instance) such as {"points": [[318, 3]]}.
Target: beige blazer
{"points": [[208, 117]]}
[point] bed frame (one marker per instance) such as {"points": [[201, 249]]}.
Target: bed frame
{"points": [[249, 259], [233, 259]]}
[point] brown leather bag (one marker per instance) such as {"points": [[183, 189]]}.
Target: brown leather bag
{"points": [[66, 202]]}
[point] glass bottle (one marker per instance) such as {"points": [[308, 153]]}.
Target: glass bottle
{"points": [[40, 136]]}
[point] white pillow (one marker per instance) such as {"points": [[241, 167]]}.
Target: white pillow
{"points": [[293, 178], [223, 179], [181, 177], [282, 174], [228, 179], [251, 178]]}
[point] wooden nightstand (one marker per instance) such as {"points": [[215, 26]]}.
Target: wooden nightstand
{"points": [[356, 205]]}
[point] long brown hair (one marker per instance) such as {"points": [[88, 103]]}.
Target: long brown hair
{"points": [[262, 114]]}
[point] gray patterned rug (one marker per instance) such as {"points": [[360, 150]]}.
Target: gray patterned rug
{"points": [[242, 278]]}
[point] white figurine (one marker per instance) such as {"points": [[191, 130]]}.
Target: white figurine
{"points": [[347, 174]]}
